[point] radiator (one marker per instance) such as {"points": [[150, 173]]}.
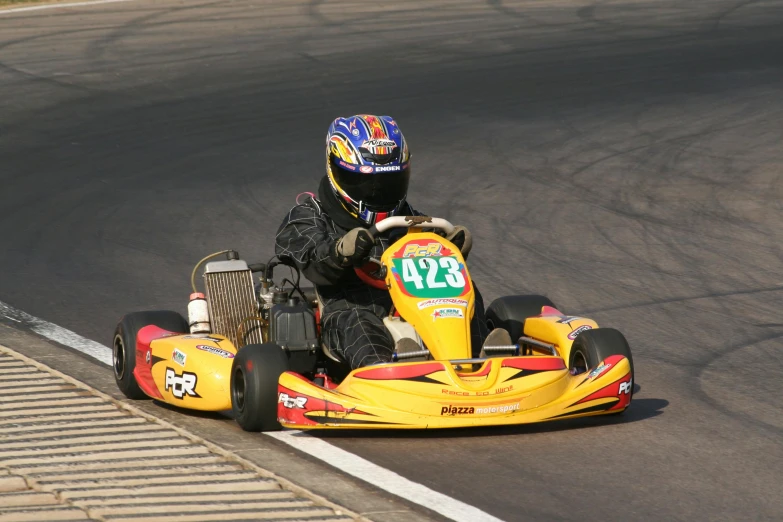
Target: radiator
{"points": [[231, 299]]}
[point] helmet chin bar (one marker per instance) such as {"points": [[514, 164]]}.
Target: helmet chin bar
{"points": [[370, 217]]}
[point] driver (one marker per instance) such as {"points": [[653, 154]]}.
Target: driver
{"points": [[367, 173]]}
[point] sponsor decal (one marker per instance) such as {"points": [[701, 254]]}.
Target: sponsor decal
{"points": [[204, 337], [291, 402], [181, 385], [626, 387], [452, 392], [579, 330], [347, 165], [461, 393], [505, 408], [441, 302], [451, 410], [379, 143], [147, 357], [365, 169], [496, 391], [387, 168], [417, 250], [457, 410], [447, 313], [567, 319], [179, 357], [599, 370], [215, 351]]}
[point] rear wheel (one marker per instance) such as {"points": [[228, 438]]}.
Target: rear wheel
{"points": [[254, 376], [124, 345], [510, 312], [593, 346]]}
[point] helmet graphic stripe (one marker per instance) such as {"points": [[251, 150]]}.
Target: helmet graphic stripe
{"points": [[376, 127]]}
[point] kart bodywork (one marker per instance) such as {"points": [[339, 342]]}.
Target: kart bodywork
{"points": [[187, 370], [533, 380], [431, 289], [513, 390]]}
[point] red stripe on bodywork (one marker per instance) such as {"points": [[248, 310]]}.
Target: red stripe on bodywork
{"points": [[609, 391], [609, 362], [548, 310], [143, 370], [399, 372], [295, 415], [313, 404], [535, 363]]}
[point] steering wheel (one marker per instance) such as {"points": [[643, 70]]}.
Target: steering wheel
{"points": [[372, 273]]}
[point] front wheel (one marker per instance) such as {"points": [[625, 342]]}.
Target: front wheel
{"points": [[510, 312], [254, 376], [593, 346], [124, 345]]}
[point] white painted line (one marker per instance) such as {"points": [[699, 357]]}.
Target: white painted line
{"points": [[58, 6], [343, 460], [58, 334], [383, 478]]}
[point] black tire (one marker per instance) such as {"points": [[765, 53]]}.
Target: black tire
{"points": [[593, 346], [124, 345], [510, 312], [254, 376]]}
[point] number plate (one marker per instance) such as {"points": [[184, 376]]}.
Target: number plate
{"points": [[425, 268]]}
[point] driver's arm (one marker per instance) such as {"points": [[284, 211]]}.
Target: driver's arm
{"points": [[310, 242]]}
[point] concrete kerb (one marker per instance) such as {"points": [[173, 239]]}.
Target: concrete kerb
{"points": [[287, 484]]}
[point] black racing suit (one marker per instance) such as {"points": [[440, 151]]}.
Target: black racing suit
{"points": [[352, 322]]}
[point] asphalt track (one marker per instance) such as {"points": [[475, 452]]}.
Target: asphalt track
{"points": [[622, 157]]}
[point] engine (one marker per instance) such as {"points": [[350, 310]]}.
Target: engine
{"points": [[233, 308]]}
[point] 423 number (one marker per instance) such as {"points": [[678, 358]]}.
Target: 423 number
{"points": [[434, 267]]}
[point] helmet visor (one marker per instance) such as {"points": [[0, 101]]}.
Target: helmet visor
{"points": [[381, 188]]}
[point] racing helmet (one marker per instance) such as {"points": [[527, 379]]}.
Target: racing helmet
{"points": [[368, 166]]}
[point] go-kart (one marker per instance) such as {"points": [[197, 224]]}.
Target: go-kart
{"points": [[257, 350]]}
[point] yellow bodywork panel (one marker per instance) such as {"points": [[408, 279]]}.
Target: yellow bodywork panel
{"points": [[193, 371], [431, 289], [516, 390]]}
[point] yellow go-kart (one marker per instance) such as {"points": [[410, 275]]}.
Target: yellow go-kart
{"points": [[559, 366]]}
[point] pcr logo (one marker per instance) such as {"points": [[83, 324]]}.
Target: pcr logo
{"points": [[626, 387], [181, 385], [292, 402], [416, 250]]}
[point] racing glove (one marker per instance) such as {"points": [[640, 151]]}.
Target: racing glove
{"points": [[354, 247], [462, 239]]}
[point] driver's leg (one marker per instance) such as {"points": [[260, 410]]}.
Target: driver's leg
{"points": [[356, 334]]}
